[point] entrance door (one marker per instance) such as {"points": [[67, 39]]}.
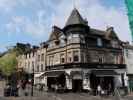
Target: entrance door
{"points": [[77, 85], [108, 83]]}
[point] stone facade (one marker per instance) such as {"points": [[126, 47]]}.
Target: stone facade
{"points": [[77, 55]]}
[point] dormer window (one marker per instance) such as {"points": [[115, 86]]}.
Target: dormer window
{"points": [[57, 42], [99, 42], [114, 44]]}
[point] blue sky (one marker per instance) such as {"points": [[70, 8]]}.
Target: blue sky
{"points": [[32, 20]]}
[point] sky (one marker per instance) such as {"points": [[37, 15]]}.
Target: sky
{"points": [[31, 21]]}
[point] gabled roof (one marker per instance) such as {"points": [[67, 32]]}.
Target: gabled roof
{"points": [[111, 33], [56, 32], [75, 18]]}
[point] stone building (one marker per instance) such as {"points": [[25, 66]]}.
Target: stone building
{"points": [[128, 56], [40, 64], [78, 57], [27, 61]]}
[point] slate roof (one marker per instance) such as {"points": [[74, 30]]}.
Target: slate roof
{"points": [[97, 32], [75, 18]]}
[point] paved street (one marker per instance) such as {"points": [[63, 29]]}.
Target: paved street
{"points": [[38, 95]]}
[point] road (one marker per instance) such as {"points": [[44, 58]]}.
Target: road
{"points": [[39, 95]]}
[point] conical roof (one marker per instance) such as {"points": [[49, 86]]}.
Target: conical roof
{"points": [[75, 18]]}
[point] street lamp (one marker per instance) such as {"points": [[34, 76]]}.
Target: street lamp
{"points": [[32, 80]]}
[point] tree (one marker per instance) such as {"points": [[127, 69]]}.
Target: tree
{"points": [[8, 63]]}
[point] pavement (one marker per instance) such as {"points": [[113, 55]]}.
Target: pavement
{"points": [[41, 95]]}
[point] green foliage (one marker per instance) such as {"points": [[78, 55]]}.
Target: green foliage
{"points": [[8, 60], [8, 63]]}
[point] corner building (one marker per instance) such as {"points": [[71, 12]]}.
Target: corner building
{"points": [[79, 57]]}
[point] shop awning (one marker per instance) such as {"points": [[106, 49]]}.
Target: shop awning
{"points": [[104, 72], [37, 75], [54, 73]]}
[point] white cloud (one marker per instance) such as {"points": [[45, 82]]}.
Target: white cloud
{"points": [[7, 5], [98, 16]]}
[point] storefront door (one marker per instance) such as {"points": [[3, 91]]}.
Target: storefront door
{"points": [[77, 85]]}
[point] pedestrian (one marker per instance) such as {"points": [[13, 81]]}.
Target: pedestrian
{"points": [[99, 90]]}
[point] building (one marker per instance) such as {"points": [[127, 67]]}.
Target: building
{"points": [[78, 57], [27, 61], [40, 64], [128, 56]]}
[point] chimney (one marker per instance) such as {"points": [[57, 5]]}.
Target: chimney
{"points": [[110, 29]]}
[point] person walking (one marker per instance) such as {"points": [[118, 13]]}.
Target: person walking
{"points": [[99, 90]]}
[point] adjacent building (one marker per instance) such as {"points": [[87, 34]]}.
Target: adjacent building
{"points": [[78, 57], [128, 56]]}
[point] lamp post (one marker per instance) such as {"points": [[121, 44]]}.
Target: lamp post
{"points": [[32, 81]]}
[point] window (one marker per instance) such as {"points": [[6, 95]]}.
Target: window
{"points": [[62, 42], [101, 59], [38, 68], [32, 64], [75, 56], [28, 64], [75, 35], [69, 58], [38, 57], [70, 38], [51, 60], [127, 53], [114, 44], [76, 38], [41, 67], [62, 58], [99, 42], [29, 55], [25, 65], [33, 54], [42, 57]]}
